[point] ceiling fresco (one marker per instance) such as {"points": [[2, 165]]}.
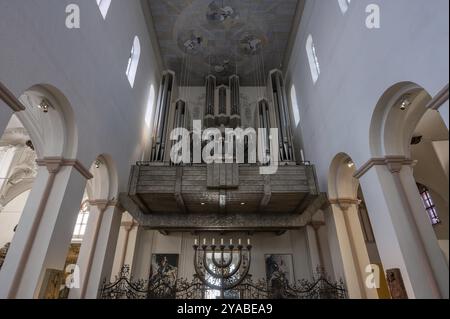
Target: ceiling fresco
{"points": [[222, 37]]}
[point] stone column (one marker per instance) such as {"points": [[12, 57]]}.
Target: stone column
{"points": [[315, 251], [45, 229], [353, 247], [403, 232], [103, 257]]}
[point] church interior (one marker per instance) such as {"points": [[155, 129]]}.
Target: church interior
{"points": [[224, 149]]}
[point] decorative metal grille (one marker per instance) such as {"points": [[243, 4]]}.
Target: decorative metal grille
{"points": [[320, 287]]}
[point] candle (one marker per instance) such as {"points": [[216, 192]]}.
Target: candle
{"points": [[240, 242], [221, 241], [204, 241], [231, 242], [213, 241], [302, 155], [248, 241], [195, 242]]}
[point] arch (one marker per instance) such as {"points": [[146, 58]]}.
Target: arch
{"points": [[133, 61], [49, 119], [392, 125], [104, 184], [341, 183]]}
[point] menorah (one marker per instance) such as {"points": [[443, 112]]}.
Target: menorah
{"points": [[222, 273]]}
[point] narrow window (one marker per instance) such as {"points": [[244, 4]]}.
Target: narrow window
{"points": [[133, 61], [82, 219], [103, 5], [344, 5], [428, 204], [312, 59]]}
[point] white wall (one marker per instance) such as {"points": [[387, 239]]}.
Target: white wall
{"points": [[88, 66], [152, 242], [357, 66]]}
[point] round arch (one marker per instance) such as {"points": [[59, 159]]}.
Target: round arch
{"points": [[395, 117], [341, 183], [104, 184], [49, 119]]}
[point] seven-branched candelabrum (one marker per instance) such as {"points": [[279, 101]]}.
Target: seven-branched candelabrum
{"points": [[222, 267]]}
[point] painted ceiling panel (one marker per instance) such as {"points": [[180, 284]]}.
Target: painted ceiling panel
{"points": [[222, 36]]}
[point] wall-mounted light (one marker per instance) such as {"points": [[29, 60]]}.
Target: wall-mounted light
{"points": [[350, 163], [44, 106], [405, 102], [97, 163]]}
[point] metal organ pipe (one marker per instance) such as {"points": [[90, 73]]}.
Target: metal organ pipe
{"points": [[210, 90], [283, 117], [164, 99], [222, 100], [264, 122], [235, 95]]}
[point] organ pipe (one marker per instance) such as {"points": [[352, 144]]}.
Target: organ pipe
{"points": [[162, 117], [282, 116], [210, 90], [222, 100], [235, 95]]}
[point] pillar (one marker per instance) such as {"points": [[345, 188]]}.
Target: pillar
{"points": [[125, 245], [316, 259], [104, 251], [403, 232], [45, 229], [97, 249], [352, 246]]}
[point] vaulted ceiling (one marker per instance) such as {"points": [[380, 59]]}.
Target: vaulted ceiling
{"points": [[222, 36]]}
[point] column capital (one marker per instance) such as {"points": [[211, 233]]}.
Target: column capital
{"points": [[128, 225], [393, 162], [54, 163], [344, 203], [316, 224], [103, 204]]}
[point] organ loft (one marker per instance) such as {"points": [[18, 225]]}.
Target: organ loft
{"points": [[223, 195]]}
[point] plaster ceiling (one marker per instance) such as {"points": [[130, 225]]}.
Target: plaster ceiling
{"points": [[222, 36]]}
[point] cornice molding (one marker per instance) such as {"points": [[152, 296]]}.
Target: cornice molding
{"points": [[9, 98], [393, 163], [438, 99], [344, 203], [53, 164], [103, 204]]}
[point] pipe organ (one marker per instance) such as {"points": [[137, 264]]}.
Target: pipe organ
{"points": [[222, 196]]}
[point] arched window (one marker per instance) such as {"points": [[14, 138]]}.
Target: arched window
{"points": [[344, 5], [295, 110], [312, 59], [103, 5], [429, 204], [80, 226], [150, 106], [133, 61]]}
